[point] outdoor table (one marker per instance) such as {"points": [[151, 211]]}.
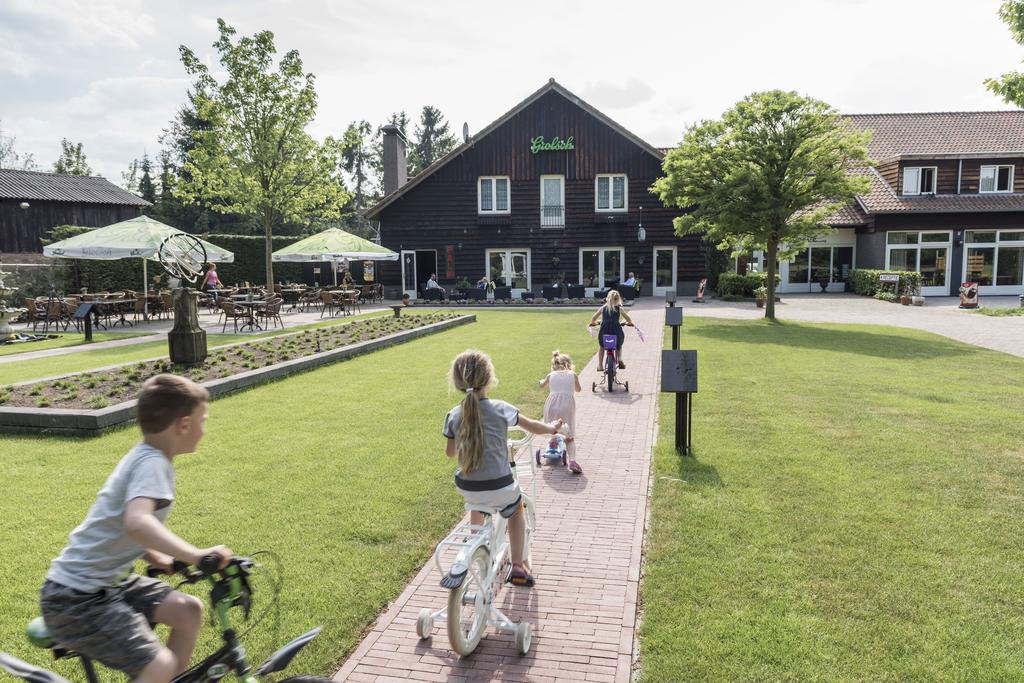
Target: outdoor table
{"points": [[250, 307], [122, 306]]}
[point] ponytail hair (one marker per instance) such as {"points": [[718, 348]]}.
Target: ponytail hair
{"points": [[471, 373], [561, 361]]}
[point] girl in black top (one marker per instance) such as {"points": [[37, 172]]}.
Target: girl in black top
{"points": [[609, 314]]}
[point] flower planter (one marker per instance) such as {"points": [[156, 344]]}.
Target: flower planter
{"points": [[917, 300], [905, 300], [759, 302]]}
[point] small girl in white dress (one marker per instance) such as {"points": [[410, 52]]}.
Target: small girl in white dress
{"points": [[561, 402]]}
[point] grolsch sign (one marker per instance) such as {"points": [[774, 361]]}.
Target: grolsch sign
{"points": [[555, 144]]}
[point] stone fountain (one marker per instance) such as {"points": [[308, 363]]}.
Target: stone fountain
{"points": [[7, 314]]}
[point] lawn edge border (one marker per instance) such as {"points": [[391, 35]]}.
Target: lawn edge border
{"points": [[91, 422]]}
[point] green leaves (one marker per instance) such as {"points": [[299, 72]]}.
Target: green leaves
{"points": [[1010, 86], [767, 174], [255, 156]]}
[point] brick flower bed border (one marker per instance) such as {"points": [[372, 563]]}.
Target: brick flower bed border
{"points": [[87, 422]]}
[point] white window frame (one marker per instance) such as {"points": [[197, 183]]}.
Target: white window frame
{"points": [[995, 179], [611, 179], [600, 266], [561, 199], [508, 250], [917, 169], [494, 195], [946, 244], [993, 288]]}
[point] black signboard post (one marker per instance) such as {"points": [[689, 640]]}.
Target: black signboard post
{"points": [[84, 313], [679, 376]]}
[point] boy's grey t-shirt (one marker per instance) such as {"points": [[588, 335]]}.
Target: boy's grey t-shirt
{"points": [[99, 553], [497, 417]]}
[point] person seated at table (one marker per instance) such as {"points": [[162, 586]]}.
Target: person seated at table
{"points": [[347, 280], [630, 281], [482, 282], [211, 282], [432, 284]]}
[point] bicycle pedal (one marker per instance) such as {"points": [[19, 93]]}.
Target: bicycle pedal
{"points": [[451, 581]]}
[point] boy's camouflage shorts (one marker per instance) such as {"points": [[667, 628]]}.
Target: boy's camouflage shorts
{"points": [[111, 626]]}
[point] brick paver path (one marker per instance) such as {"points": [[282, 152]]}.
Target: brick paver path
{"points": [[586, 554]]}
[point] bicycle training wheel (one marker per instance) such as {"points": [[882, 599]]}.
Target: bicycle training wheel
{"points": [[467, 605]]}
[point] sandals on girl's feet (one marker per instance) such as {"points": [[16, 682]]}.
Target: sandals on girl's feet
{"points": [[518, 576], [575, 468]]}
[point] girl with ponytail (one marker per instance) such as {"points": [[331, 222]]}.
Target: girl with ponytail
{"points": [[477, 433]]}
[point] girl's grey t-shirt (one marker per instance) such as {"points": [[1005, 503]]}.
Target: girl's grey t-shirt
{"points": [[497, 417], [99, 553]]}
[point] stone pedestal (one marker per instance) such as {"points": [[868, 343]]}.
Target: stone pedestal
{"points": [[186, 340]]}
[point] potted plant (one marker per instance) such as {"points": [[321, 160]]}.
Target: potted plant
{"points": [[822, 277], [461, 285], [760, 295]]}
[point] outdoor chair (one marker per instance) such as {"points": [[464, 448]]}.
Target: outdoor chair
{"points": [[501, 293], [309, 299], [476, 294], [327, 299], [234, 313], [168, 304], [577, 291], [351, 302], [551, 292], [68, 307], [34, 312], [433, 294], [270, 312]]}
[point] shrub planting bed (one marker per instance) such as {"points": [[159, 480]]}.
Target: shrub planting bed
{"points": [[99, 389]]}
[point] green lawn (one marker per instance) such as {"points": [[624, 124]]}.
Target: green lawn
{"points": [[1000, 312], [33, 368], [341, 471], [853, 511], [67, 339]]}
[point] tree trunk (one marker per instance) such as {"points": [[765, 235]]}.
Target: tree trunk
{"points": [[268, 226], [773, 254]]}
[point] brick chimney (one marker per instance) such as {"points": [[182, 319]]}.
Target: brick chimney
{"points": [[396, 170]]}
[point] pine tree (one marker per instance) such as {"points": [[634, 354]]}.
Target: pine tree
{"points": [[433, 140], [146, 188]]}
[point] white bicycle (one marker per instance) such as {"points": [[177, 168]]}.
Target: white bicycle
{"points": [[478, 573]]}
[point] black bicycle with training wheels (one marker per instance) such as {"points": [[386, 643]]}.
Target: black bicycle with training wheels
{"points": [[229, 588]]}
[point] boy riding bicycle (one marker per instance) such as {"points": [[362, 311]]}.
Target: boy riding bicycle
{"points": [[91, 602]]}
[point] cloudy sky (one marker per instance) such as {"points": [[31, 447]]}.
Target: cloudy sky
{"points": [[106, 72]]}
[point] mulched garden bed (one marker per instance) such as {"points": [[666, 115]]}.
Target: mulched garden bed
{"points": [[102, 388]]}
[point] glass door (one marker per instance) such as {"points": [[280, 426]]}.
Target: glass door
{"points": [[409, 273], [509, 268], [664, 279], [601, 267]]}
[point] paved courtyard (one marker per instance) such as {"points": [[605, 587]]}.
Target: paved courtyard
{"points": [[939, 315], [586, 555]]}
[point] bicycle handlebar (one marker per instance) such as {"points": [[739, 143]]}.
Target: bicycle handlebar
{"points": [[208, 566]]}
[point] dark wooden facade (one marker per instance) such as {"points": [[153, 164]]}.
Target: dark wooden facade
{"points": [[440, 210], [21, 230], [968, 171]]}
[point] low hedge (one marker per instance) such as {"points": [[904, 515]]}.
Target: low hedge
{"points": [[865, 281], [736, 285], [100, 276]]}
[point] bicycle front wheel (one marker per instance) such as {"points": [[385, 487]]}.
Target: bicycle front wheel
{"points": [[467, 605]]}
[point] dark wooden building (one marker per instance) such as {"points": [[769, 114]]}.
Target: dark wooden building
{"points": [[32, 204], [553, 189], [946, 200]]}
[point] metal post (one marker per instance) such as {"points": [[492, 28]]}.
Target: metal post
{"points": [[675, 337]]}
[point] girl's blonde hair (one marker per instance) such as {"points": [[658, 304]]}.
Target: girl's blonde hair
{"points": [[613, 300], [560, 361], [471, 373]]}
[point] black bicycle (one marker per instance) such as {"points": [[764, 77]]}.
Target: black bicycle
{"points": [[229, 588]]}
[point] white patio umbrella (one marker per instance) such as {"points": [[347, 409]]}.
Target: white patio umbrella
{"points": [[138, 237], [334, 244]]}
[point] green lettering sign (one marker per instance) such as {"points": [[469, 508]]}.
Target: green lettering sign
{"points": [[556, 144]]}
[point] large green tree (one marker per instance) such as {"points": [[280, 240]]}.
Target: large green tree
{"points": [[72, 159], [256, 157], [765, 176], [432, 141], [357, 161], [1011, 85]]}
